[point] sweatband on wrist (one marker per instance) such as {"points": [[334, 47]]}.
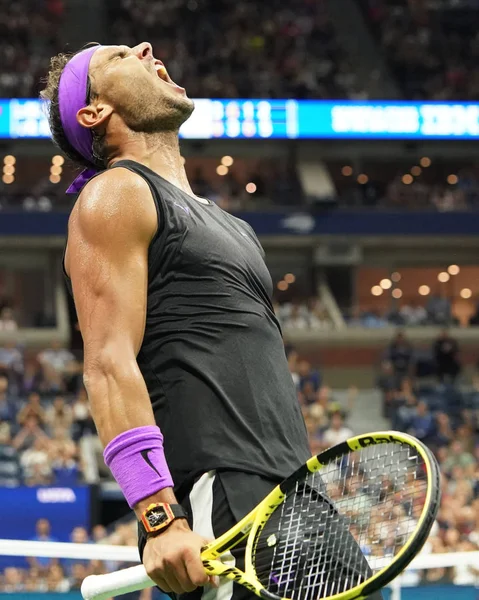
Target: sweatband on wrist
{"points": [[137, 462]]}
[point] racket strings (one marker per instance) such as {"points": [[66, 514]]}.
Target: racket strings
{"points": [[335, 530]]}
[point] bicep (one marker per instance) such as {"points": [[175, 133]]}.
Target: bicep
{"points": [[109, 287]]}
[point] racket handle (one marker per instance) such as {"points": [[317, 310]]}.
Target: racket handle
{"points": [[101, 587]]}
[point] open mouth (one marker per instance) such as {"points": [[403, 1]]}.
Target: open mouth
{"points": [[161, 71], [162, 74]]}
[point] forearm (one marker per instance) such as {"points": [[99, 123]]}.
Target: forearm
{"points": [[118, 396], [120, 402]]}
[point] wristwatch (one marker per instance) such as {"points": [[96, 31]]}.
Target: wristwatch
{"points": [[157, 517]]}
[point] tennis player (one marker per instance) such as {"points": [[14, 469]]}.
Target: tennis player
{"points": [[184, 362]]}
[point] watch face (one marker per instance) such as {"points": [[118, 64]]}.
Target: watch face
{"points": [[157, 517]]}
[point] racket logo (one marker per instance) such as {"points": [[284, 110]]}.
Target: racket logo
{"points": [[272, 540], [371, 441]]}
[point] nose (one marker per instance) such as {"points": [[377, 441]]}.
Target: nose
{"points": [[143, 50]]}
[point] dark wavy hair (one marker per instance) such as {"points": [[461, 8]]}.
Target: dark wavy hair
{"points": [[50, 93]]}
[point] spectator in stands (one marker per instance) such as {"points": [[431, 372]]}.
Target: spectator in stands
{"points": [[12, 580], [444, 433], [32, 408], [457, 456], [307, 373], [337, 432], [27, 435], [388, 383], [404, 408], [446, 355], [78, 573], [32, 378], [400, 353], [36, 459], [59, 414], [296, 320], [11, 361], [413, 314], [65, 465], [43, 534], [58, 364], [7, 321], [82, 420], [8, 409], [56, 580], [439, 309], [422, 424]]}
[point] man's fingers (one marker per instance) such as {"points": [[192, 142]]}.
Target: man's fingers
{"points": [[195, 569], [214, 581]]}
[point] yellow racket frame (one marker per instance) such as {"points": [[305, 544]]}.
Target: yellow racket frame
{"points": [[254, 521]]}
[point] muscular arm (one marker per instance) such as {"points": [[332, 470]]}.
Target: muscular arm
{"points": [[110, 230]]}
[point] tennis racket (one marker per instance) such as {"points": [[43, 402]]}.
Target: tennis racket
{"points": [[342, 526]]}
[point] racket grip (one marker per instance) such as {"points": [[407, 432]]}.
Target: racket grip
{"points": [[102, 587]]}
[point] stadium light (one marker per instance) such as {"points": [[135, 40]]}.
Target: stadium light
{"points": [[227, 161], [386, 284], [453, 270]]}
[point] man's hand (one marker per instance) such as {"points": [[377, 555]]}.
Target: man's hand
{"points": [[172, 559]]}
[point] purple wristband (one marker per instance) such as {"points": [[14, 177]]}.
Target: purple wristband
{"points": [[138, 463]]}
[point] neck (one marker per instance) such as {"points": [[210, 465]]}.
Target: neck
{"points": [[160, 152]]}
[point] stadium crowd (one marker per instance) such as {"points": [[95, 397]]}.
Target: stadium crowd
{"points": [[432, 46]]}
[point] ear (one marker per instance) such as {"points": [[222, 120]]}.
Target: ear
{"points": [[94, 115]]}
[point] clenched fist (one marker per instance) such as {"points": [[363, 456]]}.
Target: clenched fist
{"points": [[172, 559]]}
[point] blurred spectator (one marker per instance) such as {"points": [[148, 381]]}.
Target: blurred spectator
{"points": [[337, 432], [7, 321], [82, 420], [32, 408], [12, 580], [58, 364], [11, 361], [388, 383], [65, 465], [413, 314], [457, 457], [400, 353], [27, 435], [43, 529], [308, 375], [8, 409], [444, 433], [59, 414], [422, 423], [446, 351], [32, 378], [439, 310], [56, 580], [36, 460]]}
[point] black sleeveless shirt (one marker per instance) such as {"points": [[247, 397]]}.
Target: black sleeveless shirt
{"points": [[212, 355]]}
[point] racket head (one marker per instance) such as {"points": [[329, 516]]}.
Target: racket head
{"points": [[310, 508]]}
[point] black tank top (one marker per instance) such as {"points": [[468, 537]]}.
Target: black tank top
{"points": [[212, 355]]}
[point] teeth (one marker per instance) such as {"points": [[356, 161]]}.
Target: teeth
{"points": [[161, 71]]}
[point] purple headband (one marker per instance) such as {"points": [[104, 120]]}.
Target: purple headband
{"points": [[72, 96]]}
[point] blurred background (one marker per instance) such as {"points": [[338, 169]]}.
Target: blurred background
{"points": [[346, 133]]}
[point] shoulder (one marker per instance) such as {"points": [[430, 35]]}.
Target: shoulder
{"points": [[114, 200]]}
